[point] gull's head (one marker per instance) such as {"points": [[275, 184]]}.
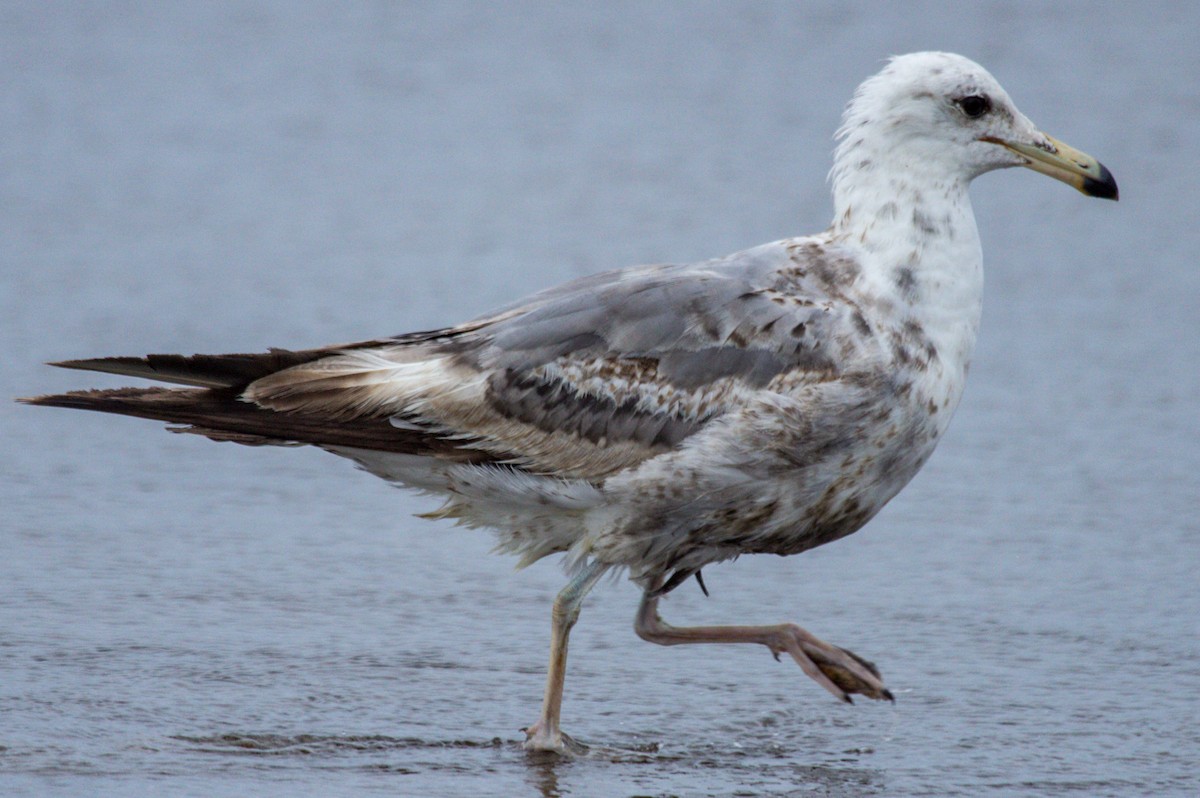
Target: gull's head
{"points": [[941, 117]]}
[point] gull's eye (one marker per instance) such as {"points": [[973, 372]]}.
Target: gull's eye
{"points": [[975, 106]]}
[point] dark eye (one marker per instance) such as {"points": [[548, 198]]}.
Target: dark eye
{"points": [[975, 106]]}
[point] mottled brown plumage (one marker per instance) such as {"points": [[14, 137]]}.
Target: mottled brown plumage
{"points": [[664, 418]]}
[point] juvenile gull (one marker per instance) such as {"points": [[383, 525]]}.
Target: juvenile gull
{"points": [[663, 418]]}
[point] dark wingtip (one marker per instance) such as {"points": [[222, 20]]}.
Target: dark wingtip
{"points": [[49, 400], [83, 400], [82, 365], [1104, 186]]}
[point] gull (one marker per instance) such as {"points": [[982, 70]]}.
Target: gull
{"points": [[663, 418]]}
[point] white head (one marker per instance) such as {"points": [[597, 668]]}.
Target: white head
{"points": [[939, 119]]}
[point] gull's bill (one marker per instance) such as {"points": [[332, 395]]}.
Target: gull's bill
{"points": [[1063, 162]]}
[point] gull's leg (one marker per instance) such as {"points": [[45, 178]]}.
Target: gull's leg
{"points": [[839, 671], [545, 735]]}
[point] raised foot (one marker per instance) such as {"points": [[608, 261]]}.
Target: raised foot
{"points": [[539, 740], [838, 670]]}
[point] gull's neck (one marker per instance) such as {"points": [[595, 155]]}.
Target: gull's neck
{"points": [[910, 223]]}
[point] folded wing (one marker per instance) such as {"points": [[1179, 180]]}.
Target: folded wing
{"points": [[580, 381]]}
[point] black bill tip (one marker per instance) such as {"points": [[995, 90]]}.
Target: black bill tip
{"points": [[1104, 186]]}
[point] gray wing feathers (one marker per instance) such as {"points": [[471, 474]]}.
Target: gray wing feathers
{"points": [[584, 379], [671, 307], [654, 353]]}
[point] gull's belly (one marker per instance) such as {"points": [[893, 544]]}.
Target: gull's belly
{"points": [[782, 478], [841, 491]]}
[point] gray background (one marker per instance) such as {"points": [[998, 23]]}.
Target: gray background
{"points": [[183, 618]]}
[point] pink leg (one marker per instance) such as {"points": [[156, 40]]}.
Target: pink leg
{"points": [[839, 671], [545, 735]]}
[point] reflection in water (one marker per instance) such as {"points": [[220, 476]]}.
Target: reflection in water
{"points": [[653, 772], [607, 770], [543, 773]]}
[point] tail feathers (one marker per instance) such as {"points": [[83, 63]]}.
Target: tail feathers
{"points": [[210, 371], [220, 415]]}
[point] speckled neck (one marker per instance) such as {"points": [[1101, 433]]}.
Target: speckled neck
{"points": [[912, 228]]}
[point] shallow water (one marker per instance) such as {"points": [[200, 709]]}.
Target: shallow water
{"points": [[181, 618]]}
